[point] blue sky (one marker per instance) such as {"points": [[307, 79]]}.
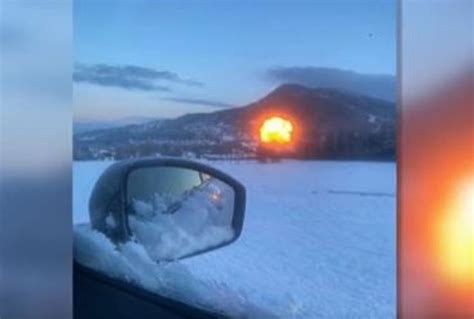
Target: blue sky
{"points": [[167, 58]]}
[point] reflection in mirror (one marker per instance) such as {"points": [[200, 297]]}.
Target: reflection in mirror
{"points": [[175, 212]]}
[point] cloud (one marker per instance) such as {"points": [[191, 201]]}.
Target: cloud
{"points": [[204, 102], [381, 86], [129, 77]]}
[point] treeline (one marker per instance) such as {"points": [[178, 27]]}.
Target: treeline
{"points": [[339, 145], [335, 145]]}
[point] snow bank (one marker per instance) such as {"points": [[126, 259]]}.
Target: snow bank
{"points": [[132, 263]]}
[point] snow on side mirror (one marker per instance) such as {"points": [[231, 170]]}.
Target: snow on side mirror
{"points": [[174, 208]]}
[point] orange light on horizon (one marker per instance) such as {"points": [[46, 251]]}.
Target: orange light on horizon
{"points": [[276, 130]]}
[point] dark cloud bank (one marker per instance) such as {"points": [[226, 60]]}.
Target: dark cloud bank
{"points": [[204, 102], [129, 77]]}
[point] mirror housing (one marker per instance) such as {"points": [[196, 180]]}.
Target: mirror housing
{"points": [[109, 211]]}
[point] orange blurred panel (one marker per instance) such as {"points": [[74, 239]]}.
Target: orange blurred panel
{"points": [[435, 208]]}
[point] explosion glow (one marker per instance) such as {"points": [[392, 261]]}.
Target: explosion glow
{"points": [[456, 236], [276, 130]]}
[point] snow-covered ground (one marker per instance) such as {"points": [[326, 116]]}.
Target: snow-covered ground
{"points": [[318, 242]]}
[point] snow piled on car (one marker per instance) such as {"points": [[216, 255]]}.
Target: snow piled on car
{"points": [[170, 226], [318, 242], [132, 263]]}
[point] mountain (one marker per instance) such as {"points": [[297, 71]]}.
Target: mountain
{"points": [[329, 123], [382, 86], [82, 126]]}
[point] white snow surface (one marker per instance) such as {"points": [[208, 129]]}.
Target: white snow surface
{"points": [[318, 242]]}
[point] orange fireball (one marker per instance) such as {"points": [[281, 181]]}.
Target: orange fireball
{"points": [[276, 130]]}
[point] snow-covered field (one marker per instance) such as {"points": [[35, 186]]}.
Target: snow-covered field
{"points": [[318, 242]]}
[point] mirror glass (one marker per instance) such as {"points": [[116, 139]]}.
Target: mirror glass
{"points": [[174, 212]]}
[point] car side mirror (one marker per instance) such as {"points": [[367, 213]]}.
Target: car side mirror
{"points": [[174, 208]]}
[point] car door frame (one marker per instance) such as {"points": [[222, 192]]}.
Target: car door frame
{"points": [[97, 295]]}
